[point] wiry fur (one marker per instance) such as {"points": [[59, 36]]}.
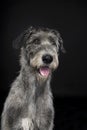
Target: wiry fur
{"points": [[29, 105]]}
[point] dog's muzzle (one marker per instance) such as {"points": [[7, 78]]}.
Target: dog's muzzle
{"points": [[45, 70]]}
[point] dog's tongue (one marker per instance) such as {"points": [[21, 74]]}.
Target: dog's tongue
{"points": [[44, 71]]}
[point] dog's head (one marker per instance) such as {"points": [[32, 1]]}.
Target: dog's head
{"points": [[40, 49]]}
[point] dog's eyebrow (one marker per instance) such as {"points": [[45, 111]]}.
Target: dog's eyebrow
{"points": [[36, 40]]}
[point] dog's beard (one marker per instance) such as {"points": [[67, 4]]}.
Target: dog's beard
{"points": [[43, 73]]}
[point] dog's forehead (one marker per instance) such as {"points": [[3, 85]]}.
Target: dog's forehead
{"points": [[44, 35], [43, 38]]}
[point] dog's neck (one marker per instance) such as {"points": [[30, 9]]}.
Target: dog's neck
{"points": [[31, 85], [30, 80]]}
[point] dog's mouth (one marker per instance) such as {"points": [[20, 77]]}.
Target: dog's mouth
{"points": [[44, 71]]}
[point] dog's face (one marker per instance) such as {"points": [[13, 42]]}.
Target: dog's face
{"points": [[41, 48], [42, 51]]}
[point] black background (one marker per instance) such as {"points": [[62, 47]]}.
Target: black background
{"points": [[69, 83]]}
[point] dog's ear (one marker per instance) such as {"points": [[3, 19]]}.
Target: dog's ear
{"points": [[21, 39], [18, 42], [60, 40], [61, 47]]}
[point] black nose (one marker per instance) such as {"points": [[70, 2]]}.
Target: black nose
{"points": [[47, 59]]}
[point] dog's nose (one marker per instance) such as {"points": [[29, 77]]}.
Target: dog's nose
{"points": [[47, 59]]}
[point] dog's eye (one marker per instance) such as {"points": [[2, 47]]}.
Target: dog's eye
{"points": [[58, 52], [52, 41], [36, 41], [31, 53]]}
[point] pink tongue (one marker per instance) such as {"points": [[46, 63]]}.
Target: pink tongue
{"points": [[44, 71]]}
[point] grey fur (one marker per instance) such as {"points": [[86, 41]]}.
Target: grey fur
{"points": [[29, 105]]}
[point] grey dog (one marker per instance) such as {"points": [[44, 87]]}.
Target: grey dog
{"points": [[29, 105]]}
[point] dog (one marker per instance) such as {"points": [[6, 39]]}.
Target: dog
{"points": [[29, 105]]}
